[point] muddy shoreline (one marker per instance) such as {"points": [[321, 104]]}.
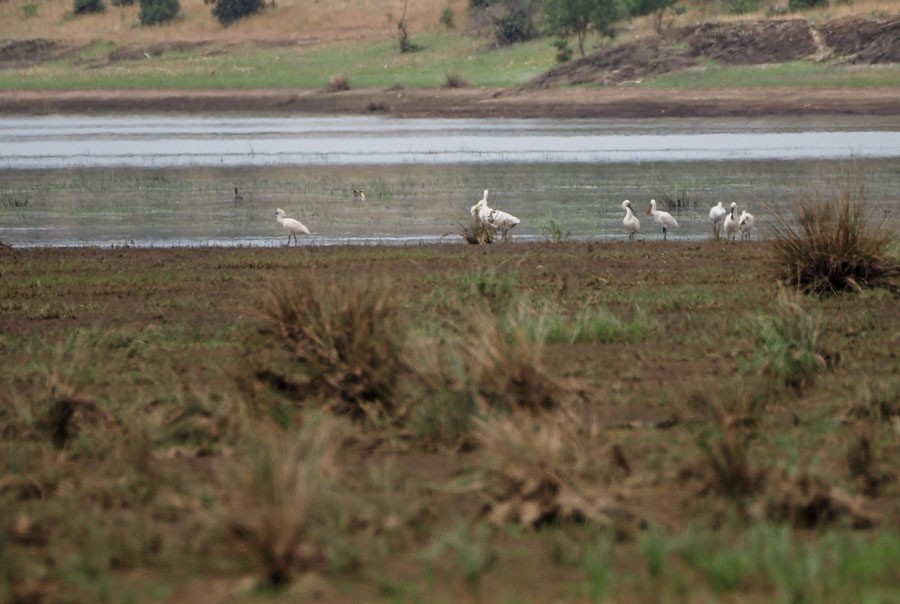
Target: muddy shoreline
{"points": [[562, 102]]}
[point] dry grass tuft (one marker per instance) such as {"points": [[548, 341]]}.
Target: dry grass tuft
{"points": [[284, 487], [454, 80], [338, 83], [345, 343], [806, 501], [833, 247], [507, 367], [477, 234], [542, 469]]}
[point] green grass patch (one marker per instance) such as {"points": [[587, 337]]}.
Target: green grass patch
{"points": [[362, 64]]}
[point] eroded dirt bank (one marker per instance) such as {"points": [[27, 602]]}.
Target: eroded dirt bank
{"points": [[616, 102]]}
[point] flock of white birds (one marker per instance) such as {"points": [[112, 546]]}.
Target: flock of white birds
{"points": [[499, 223]]}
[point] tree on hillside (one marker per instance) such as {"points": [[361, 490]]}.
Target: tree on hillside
{"points": [[657, 8], [511, 21], [229, 11], [578, 17], [154, 12]]}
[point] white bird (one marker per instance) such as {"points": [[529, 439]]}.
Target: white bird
{"points": [[746, 224], [717, 216], [292, 226], [476, 210], [662, 218], [498, 221], [359, 195], [731, 223], [631, 222]]}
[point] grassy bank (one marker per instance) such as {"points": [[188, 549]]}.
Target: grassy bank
{"points": [[541, 422], [310, 46]]}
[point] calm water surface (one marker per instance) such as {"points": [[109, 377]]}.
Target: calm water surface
{"points": [[164, 181]]}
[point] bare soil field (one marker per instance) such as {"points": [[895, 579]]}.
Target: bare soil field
{"points": [[561, 102], [165, 438]]}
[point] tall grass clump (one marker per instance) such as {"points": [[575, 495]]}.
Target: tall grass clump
{"points": [[283, 488], [344, 340], [787, 343], [544, 469], [831, 246]]}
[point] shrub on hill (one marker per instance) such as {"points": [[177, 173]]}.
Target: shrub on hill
{"points": [[82, 7], [154, 12], [229, 11]]}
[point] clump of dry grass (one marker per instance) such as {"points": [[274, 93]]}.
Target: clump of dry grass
{"points": [[454, 80], [344, 340], [507, 367], [832, 246], [542, 468], [284, 484], [338, 83], [477, 233]]}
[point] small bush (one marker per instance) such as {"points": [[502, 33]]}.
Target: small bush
{"points": [[83, 7], [229, 11], [447, 18], [338, 83], [834, 248], [154, 12], [454, 80], [787, 343], [345, 342], [796, 5], [563, 50], [740, 7], [284, 484]]}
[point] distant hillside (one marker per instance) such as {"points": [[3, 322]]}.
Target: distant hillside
{"points": [[852, 39]]}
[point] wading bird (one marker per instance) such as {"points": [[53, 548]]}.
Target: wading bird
{"points": [[631, 222], [237, 196], [292, 226], [497, 221], [663, 219], [746, 224], [731, 223], [717, 216]]}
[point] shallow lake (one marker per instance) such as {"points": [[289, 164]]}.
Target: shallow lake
{"points": [[164, 181]]}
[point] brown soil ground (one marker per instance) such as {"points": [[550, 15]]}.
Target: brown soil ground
{"points": [[574, 102], [643, 402]]}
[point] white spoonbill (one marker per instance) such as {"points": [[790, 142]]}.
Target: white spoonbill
{"points": [[292, 226], [497, 221], [477, 210], [731, 223], [359, 195], [663, 219], [717, 216], [745, 223], [631, 222]]}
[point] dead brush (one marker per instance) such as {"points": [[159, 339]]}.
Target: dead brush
{"points": [[477, 233], [734, 474], [506, 365], [831, 246], [542, 468], [284, 485], [344, 341]]}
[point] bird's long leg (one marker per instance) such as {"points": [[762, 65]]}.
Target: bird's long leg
{"points": [[664, 234]]}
